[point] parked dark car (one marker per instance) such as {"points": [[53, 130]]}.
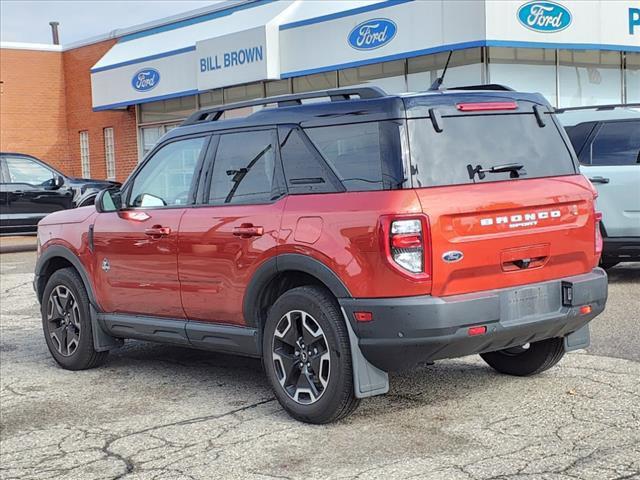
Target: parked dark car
{"points": [[30, 189]]}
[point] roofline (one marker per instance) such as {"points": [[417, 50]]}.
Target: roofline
{"points": [[122, 32]]}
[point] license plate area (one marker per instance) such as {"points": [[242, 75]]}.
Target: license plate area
{"points": [[520, 304]]}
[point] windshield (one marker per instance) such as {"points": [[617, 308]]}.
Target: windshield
{"points": [[486, 148]]}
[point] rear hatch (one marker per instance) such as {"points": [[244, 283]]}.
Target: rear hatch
{"points": [[499, 184]]}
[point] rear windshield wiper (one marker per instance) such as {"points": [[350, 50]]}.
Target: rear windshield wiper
{"points": [[516, 170]]}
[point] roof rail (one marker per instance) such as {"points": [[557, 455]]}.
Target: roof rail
{"points": [[487, 86], [336, 94], [599, 107]]}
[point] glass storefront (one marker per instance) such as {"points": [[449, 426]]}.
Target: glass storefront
{"points": [[588, 77], [525, 69], [565, 77]]}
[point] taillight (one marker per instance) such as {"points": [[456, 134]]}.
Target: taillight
{"points": [[406, 244], [598, 233]]}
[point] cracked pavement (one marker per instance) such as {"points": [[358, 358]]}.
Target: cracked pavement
{"points": [[163, 412]]}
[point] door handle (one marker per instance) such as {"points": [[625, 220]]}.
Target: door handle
{"points": [[599, 180], [18, 193], [247, 230], [158, 231]]}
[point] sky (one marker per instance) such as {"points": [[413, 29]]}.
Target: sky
{"points": [[28, 21]]}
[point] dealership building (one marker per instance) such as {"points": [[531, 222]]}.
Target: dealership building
{"points": [[121, 92]]}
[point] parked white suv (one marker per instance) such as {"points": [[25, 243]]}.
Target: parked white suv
{"points": [[607, 141]]}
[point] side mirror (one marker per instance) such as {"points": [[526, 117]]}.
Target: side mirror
{"points": [[54, 183], [109, 200]]}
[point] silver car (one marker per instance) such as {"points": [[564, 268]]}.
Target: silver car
{"points": [[607, 142]]}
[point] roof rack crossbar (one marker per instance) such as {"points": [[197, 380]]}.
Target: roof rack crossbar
{"points": [[598, 107], [337, 94]]}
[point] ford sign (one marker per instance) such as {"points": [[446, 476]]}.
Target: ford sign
{"points": [[372, 34], [145, 80], [545, 17]]}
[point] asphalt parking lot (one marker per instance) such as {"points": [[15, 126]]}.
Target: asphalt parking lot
{"points": [[155, 411]]}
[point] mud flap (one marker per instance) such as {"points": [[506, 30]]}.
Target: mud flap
{"points": [[368, 380], [102, 341], [577, 340]]}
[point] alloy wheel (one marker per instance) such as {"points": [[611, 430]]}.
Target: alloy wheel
{"points": [[63, 320], [301, 357]]}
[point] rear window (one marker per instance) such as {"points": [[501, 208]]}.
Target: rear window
{"points": [[364, 156], [487, 141]]}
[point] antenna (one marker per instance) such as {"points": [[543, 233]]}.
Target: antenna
{"points": [[436, 85]]}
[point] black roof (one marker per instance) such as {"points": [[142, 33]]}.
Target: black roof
{"points": [[344, 106]]}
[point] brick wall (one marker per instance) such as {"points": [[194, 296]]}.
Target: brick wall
{"points": [[46, 102], [32, 105], [80, 116]]}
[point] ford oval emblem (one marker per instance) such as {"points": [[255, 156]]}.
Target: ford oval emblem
{"points": [[146, 79], [372, 34], [546, 17], [452, 256]]}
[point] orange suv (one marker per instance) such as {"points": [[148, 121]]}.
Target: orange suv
{"points": [[338, 240]]}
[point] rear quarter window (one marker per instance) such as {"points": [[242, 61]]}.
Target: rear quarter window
{"points": [[441, 158], [364, 156]]}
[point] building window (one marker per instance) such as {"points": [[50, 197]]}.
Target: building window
{"points": [[151, 135], [167, 110], [85, 161], [278, 87], [317, 81], [109, 153], [210, 98], [388, 75], [589, 77], [632, 77], [465, 68], [525, 70]]}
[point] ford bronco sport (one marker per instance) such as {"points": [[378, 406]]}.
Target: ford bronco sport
{"points": [[337, 240]]}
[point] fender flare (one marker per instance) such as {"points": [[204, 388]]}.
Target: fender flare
{"points": [[59, 251], [101, 340], [268, 270]]}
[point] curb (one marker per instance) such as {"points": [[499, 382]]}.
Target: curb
{"points": [[18, 248]]}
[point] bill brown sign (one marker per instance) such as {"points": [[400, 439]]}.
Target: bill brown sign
{"points": [[242, 57]]}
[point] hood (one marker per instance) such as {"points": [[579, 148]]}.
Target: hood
{"points": [[74, 215]]}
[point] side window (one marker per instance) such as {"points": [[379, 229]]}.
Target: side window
{"points": [[617, 143], [578, 134], [305, 172], [244, 169], [166, 178], [364, 156], [25, 170]]}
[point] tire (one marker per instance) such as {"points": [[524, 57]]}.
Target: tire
{"points": [[321, 391], [66, 322], [520, 361]]}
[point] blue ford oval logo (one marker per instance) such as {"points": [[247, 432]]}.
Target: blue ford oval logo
{"points": [[452, 256], [372, 34], [145, 80], [546, 17]]}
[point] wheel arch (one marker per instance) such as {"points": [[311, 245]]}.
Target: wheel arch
{"points": [[54, 258], [281, 273]]}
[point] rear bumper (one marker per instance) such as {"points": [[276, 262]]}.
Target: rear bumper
{"points": [[621, 248], [408, 330]]}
